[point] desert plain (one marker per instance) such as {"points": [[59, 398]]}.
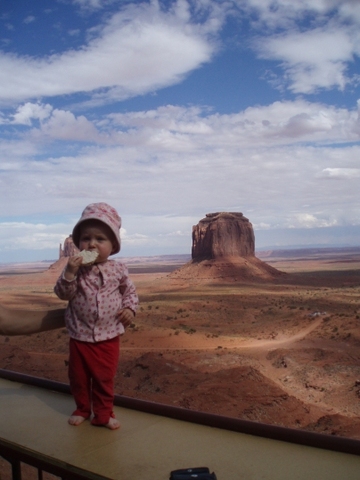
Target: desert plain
{"points": [[284, 351]]}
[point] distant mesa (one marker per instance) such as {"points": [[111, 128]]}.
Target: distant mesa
{"points": [[65, 251], [221, 235], [223, 249], [69, 249]]}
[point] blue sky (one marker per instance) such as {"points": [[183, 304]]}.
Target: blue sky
{"points": [[169, 110]]}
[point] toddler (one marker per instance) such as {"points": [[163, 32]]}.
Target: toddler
{"points": [[102, 303]]}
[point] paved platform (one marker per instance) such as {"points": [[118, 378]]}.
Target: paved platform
{"points": [[148, 447]]}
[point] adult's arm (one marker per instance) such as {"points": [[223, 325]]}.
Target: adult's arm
{"points": [[24, 322]]}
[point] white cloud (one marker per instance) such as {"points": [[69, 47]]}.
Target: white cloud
{"points": [[180, 160], [64, 125], [139, 50], [31, 236], [350, 10], [197, 163], [313, 59], [54, 123], [341, 173], [13, 149], [315, 41], [284, 13], [308, 220], [180, 129], [29, 111], [135, 240]]}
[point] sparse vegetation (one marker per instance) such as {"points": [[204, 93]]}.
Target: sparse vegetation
{"points": [[202, 328]]}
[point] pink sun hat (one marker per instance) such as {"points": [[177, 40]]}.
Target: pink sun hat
{"points": [[103, 213]]}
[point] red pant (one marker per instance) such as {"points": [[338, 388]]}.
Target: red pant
{"points": [[92, 369]]}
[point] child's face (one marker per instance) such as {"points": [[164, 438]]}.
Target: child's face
{"points": [[96, 236]]}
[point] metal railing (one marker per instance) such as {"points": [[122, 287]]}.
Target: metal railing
{"points": [[15, 455]]}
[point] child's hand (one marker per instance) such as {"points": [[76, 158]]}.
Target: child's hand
{"points": [[126, 316], [72, 267]]}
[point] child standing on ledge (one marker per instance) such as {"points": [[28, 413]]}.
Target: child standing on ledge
{"points": [[102, 303]]}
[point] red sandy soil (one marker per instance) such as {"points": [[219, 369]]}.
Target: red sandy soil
{"points": [[283, 351]]}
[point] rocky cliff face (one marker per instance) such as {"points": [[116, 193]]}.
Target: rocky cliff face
{"points": [[221, 235], [223, 250], [69, 248], [65, 251]]}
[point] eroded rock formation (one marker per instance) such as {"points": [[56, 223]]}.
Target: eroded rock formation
{"points": [[69, 249], [223, 250], [65, 251], [223, 234]]}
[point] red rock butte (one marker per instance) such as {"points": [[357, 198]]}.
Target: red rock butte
{"points": [[69, 248], [223, 249]]}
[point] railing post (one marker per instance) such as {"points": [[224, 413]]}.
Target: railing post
{"points": [[16, 469]]}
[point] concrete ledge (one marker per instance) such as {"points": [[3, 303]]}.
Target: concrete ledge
{"points": [[149, 446]]}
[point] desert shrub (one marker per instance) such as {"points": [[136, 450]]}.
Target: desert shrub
{"points": [[190, 330]]}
